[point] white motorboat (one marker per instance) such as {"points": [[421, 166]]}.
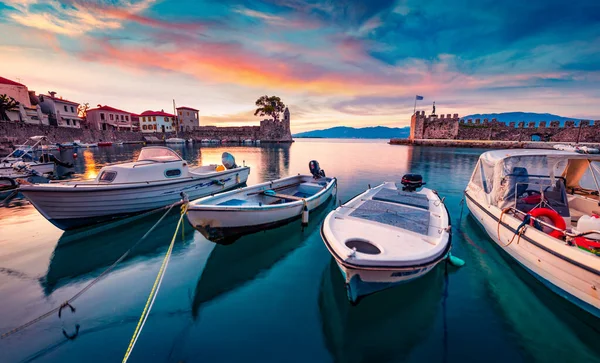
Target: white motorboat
{"points": [[541, 207], [80, 144], [261, 206], [387, 236], [205, 141], [158, 178], [175, 140], [22, 162]]}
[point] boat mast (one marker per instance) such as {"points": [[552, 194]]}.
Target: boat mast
{"points": [[175, 117]]}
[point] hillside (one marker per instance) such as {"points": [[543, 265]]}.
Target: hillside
{"points": [[344, 132]]}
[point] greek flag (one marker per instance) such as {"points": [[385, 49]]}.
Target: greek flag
{"points": [[419, 98]]}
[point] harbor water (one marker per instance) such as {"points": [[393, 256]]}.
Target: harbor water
{"points": [[276, 295]]}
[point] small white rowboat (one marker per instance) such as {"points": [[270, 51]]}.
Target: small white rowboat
{"points": [[386, 236], [267, 205]]}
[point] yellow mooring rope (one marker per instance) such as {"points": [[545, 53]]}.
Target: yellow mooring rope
{"points": [[155, 288]]}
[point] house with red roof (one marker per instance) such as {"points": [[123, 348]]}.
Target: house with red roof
{"points": [[187, 118], [28, 109], [61, 112], [109, 118], [156, 121]]}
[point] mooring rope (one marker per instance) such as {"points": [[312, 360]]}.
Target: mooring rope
{"points": [[68, 302], [519, 231], [154, 292]]}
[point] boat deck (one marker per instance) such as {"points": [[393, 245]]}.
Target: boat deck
{"points": [[394, 214]]}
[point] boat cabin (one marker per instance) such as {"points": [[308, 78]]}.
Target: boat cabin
{"points": [[564, 181], [154, 163]]}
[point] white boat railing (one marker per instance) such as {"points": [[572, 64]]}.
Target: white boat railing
{"points": [[546, 224], [31, 147]]}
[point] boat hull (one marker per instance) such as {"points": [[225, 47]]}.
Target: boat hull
{"points": [[217, 224], [41, 168], [551, 262], [72, 208], [362, 281]]}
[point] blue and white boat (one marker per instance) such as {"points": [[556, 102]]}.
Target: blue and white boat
{"points": [[387, 236], [157, 179], [267, 205]]}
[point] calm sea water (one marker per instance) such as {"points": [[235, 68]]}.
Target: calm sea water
{"points": [[277, 296]]}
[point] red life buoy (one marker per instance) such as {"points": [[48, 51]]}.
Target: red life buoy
{"points": [[587, 244], [556, 219]]}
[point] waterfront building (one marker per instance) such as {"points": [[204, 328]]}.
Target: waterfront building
{"points": [[156, 121], [187, 118], [26, 111], [135, 122], [109, 118], [61, 112]]}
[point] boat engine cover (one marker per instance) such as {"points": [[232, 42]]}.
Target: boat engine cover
{"points": [[228, 160], [412, 182], [315, 169]]}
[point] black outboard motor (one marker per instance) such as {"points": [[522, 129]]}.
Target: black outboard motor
{"points": [[315, 170], [228, 161], [412, 182], [49, 158]]}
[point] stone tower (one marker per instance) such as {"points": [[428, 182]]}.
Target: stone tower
{"points": [[286, 120]]}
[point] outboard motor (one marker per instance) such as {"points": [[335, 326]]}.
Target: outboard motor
{"points": [[412, 182], [228, 161], [315, 170], [49, 158]]}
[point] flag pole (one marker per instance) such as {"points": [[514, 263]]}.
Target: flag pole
{"points": [[415, 108]]}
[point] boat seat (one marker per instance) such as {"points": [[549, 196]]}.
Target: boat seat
{"points": [[233, 202], [309, 188], [411, 219], [401, 197]]}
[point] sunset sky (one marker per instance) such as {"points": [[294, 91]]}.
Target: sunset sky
{"points": [[353, 63]]}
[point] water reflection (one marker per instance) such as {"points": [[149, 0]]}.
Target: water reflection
{"points": [[231, 266], [385, 326], [77, 254], [524, 302]]}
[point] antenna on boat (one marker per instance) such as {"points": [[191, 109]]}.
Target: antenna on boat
{"points": [[175, 118]]}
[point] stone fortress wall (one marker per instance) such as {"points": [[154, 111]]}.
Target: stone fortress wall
{"points": [[268, 131], [452, 127]]}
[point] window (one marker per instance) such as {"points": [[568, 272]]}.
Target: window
{"points": [[145, 127], [66, 110], [122, 118], [111, 116], [68, 122], [153, 118], [107, 176], [102, 116], [126, 117], [72, 109], [74, 123], [154, 127], [180, 113], [172, 173], [188, 113]]}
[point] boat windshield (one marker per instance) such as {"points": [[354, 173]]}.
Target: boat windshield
{"points": [[158, 154]]}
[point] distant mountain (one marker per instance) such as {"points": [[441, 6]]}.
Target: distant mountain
{"points": [[344, 132], [507, 117]]}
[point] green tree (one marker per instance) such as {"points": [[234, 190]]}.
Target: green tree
{"points": [[7, 104], [269, 106]]}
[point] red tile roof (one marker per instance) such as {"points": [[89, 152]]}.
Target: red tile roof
{"points": [[109, 109], [187, 108], [12, 83], [156, 113]]}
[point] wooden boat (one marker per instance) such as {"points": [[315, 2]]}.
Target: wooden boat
{"points": [[105, 143], [261, 206], [538, 206], [158, 178], [387, 236]]}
